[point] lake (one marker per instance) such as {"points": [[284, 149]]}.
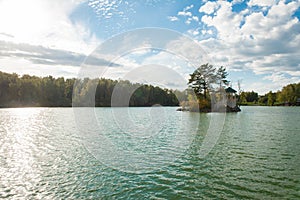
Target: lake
{"points": [[149, 153]]}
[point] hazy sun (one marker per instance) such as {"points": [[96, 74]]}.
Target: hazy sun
{"points": [[23, 19]]}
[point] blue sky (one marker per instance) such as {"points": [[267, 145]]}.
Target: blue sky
{"points": [[257, 41]]}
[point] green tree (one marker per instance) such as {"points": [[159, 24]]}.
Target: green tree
{"points": [[263, 100], [243, 98], [249, 97], [202, 79], [222, 76], [271, 98], [289, 94]]}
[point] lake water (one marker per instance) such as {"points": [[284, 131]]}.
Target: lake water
{"points": [[149, 153]]}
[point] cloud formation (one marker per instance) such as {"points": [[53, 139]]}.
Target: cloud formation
{"points": [[45, 23], [264, 41], [48, 56], [209, 7], [173, 18], [38, 37]]}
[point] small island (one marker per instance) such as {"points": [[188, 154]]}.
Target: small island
{"points": [[209, 91]]}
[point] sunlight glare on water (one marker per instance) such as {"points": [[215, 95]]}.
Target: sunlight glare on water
{"points": [[256, 157], [19, 165]]}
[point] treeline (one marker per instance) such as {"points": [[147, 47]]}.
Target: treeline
{"points": [[289, 95], [16, 91]]}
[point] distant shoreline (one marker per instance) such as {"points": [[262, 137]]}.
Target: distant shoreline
{"points": [[275, 105], [3, 107], [179, 108]]}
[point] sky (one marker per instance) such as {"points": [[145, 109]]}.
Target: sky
{"points": [[257, 41]]}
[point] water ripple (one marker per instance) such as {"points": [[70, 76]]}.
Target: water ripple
{"points": [[256, 157]]}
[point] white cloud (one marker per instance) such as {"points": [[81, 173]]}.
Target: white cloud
{"points": [[281, 78], [184, 13], [263, 43], [188, 21], [173, 18], [45, 23], [188, 7], [193, 32], [195, 18], [209, 7], [225, 21], [262, 3], [191, 50], [172, 61], [278, 21], [158, 75], [41, 39], [236, 1], [22, 66], [204, 32], [189, 16], [278, 80], [260, 87], [159, 68], [104, 7]]}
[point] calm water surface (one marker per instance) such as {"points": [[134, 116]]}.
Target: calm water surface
{"points": [[44, 155]]}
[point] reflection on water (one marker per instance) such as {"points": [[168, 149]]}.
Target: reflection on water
{"points": [[256, 157], [18, 137]]}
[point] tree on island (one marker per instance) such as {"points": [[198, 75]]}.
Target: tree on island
{"points": [[222, 76], [202, 78], [201, 82]]}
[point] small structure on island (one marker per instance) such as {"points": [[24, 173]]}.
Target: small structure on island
{"points": [[231, 97], [231, 105]]}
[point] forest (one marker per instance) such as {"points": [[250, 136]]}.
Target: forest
{"points": [[289, 95], [25, 91]]}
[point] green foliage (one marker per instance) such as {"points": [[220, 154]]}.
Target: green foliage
{"points": [[48, 91], [263, 100], [271, 98], [204, 105], [248, 97], [202, 78], [201, 81], [222, 75], [289, 95]]}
